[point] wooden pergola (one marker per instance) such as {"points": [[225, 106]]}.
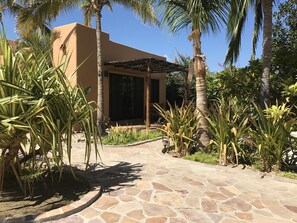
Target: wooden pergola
{"points": [[150, 66]]}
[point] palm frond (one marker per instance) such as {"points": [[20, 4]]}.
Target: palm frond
{"points": [[143, 8], [236, 21], [257, 26], [87, 12], [200, 15]]}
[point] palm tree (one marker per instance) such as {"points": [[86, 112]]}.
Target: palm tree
{"points": [[34, 15], [263, 18], [42, 12], [200, 16]]}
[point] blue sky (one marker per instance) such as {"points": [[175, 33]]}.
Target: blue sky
{"points": [[126, 28]]}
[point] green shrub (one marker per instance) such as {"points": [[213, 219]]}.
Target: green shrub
{"points": [[211, 158], [271, 134], [125, 135], [243, 84], [181, 126], [227, 125]]}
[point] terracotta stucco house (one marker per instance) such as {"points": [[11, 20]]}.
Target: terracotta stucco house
{"points": [[125, 71]]}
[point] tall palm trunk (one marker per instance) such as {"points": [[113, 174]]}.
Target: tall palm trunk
{"points": [[266, 53], [99, 70], [186, 89], [201, 99]]}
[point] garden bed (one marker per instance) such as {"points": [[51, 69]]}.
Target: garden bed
{"points": [[212, 159], [125, 136], [47, 196]]}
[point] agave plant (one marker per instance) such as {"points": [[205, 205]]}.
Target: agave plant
{"points": [[38, 109], [181, 126], [228, 124]]}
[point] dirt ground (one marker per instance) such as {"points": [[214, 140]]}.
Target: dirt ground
{"points": [[47, 196]]}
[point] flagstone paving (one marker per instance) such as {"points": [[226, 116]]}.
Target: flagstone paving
{"points": [[143, 185]]}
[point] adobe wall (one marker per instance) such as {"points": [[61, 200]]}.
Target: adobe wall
{"points": [[78, 43]]}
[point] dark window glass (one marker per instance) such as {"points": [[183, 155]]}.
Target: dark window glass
{"points": [[126, 99], [155, 91]]}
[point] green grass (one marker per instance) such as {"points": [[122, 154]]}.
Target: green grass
{"points": [[258, 165], [287, 174], [210, 158], [118, 136]]}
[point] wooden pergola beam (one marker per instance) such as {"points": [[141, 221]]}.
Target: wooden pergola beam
{"points": [[156, 65], [148, 96]]}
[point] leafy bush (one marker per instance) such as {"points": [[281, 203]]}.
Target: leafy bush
{"points": [[227, 126], [125, 135], [211, 158], [242, 84], [290, 93], [291, 90], [179, 88], [181, 126], [271, 134], [284, 41], [38, 109]]}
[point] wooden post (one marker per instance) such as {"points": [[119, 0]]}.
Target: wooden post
{"points": [[148, 97]]}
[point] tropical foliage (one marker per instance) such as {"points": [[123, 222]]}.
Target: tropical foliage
{"points": [[221, 85], [34, 16], [179, 85], [180, 127], [126, 135], [271, 135], [227, 127], [284, 41], [200, 17], [39, 108], [262, 19]]}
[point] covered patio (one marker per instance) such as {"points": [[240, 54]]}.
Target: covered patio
{"points": [[150, 66]]}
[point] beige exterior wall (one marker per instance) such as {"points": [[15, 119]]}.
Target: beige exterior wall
{"points": [[65, 50], [78, 43]]}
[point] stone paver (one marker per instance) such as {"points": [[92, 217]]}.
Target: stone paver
{"points": [[140, 184]]}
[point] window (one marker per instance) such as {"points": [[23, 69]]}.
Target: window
{"points": [[126, 97], [154, 91]]}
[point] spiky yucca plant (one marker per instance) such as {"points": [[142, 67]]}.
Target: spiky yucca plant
{"points": [[181, 126], [227, 126], [38, 108]]}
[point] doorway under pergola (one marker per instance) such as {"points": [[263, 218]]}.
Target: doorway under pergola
{"points": [[150, 66]]}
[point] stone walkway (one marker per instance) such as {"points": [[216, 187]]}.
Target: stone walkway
{"points": [[143, 185]]}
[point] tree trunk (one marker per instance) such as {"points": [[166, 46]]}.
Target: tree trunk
{"points": [[186, 90], [201, 99], [266, 53], [148, 98], [100, 71]]}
